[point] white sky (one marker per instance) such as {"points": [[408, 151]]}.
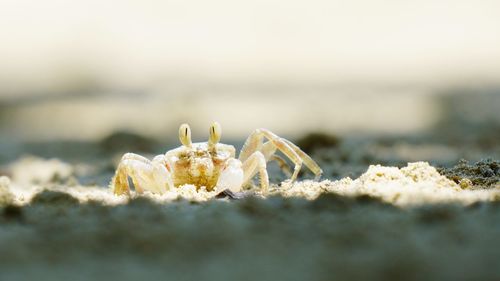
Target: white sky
{"points": [[135, 42]]}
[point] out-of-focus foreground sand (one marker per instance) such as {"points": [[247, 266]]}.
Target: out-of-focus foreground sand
{"points": [[410, 223]]}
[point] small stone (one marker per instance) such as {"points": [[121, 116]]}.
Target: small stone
{"points": [[465, 183]]}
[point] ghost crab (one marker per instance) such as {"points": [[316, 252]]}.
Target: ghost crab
{"points": [[210, 164]]}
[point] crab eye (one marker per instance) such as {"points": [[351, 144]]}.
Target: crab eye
{"points": [[185, 135], [215, 133]]}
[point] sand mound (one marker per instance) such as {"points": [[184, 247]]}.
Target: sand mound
{"points": [[35, 170], [417, 183]]}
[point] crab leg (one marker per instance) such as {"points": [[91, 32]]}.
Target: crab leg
{"points": [[282, 164], [145, 174], [269, 149], [256, 163], [298, 157], [308, 161]]}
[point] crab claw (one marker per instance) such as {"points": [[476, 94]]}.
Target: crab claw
{"points": [[231, 177]]}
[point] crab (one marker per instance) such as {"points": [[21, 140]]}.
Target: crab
{"points": [[212, 165]]}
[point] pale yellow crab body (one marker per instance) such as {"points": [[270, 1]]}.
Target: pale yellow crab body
{"points": [[211, 164], [198, 165]]}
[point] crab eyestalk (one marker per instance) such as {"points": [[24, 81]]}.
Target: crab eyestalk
{"points": [[215, 133], [185, 135]]}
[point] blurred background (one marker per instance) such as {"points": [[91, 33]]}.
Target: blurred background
{"points": [[353, 83], [124, 75]]}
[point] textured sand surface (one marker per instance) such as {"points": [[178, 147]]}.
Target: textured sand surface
{"points": [[332, 237], [416, 184], [406, 223]]}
